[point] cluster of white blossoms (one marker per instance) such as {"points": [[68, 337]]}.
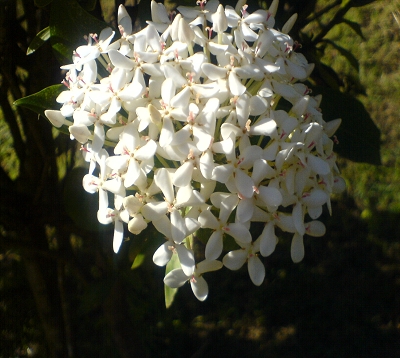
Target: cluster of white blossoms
{"points": [[190, 105]]}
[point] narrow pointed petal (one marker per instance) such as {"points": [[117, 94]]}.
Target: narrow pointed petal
{"points": [[118, 235]]}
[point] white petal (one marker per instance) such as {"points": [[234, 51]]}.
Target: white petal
{"points": [[164, 182], [318, 165], [298, 218], [235, 85], [234, 260], [137, 224], [55, 117], [178, 227], [268, 240], [244, 184], [256, 270], [208, 220], [315, 228], [183, 174], [245, 209], [153, 211], [199, 288], [80, 132], [207, 164], [221, 173], [163, 226], [297, 248], [147, 151], [175, 278], [186, 258], [239, 232], [119, 60], [214, 246], [167, 132], [118, 235], [208, 266], [271, 196], [162, 255]]}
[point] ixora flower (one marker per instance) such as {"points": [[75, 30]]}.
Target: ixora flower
{"points": [[189, 137]]}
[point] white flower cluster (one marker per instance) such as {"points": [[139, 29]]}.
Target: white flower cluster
{"points": [[191, 105]]}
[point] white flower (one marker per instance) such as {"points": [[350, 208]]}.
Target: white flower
{"points": [[234, 260], [177, 278]]}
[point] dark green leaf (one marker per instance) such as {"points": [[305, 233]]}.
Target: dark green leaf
{"points": [[69, 23], [80, 205], [358, 3], [326, 75], [42, 3], [40, 101], [355, 26], [346, 53], [39, 40], [359, 137], [88, 5]]}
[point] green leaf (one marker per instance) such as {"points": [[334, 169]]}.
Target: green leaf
{"points": [[359, 137], [346, 53], [69, 23], [358, 3], [42, 3], [42, 100], [355, 27], [138, 261], [39, 40], [88, 5], [80, 205], [168, 291]]}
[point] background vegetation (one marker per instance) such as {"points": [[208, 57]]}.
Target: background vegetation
{"points": [[63, 293]]}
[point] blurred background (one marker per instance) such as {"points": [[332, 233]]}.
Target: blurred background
{"points": [[64, 294]]}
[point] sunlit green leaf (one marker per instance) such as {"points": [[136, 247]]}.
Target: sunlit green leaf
{"points": [[42, 100], [168, 291], [359, 137], [39, 40], [138, 261]]}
